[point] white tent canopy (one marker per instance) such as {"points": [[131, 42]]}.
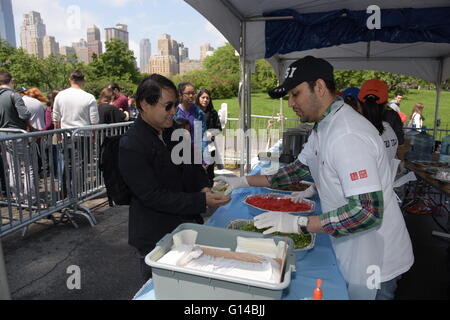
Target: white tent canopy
{"points": [[243, 25]]}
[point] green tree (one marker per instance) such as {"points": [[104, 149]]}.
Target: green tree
{"points": [[117, 62], [265, 78], [223, 62]]}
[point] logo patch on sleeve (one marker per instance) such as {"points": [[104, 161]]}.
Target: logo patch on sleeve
{"points": [[354, 176], [363, 174]]}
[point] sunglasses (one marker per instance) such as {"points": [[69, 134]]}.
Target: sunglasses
{"points": [[170, 105]]}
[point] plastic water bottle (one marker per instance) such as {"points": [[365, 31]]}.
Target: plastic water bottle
{"points": [[445, 150], [423, 147], [410, 136]]}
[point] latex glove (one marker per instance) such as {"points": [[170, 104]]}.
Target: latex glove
{"points": [[298, 197], [277, 222], [233, 183]]}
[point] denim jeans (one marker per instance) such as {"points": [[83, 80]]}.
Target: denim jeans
{"points": [[387, 291]]}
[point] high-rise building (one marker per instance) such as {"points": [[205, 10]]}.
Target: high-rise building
{"points": [[120, 31], [165, 45], [67, 51], [183, 52], [176, 53], [205, 51], [163, 65], [32, 34], [145, 54], [7, 30], [82, 50], [50, 46], [94, 42]]}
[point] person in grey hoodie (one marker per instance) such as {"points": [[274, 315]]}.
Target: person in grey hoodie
{"points": [[15, 115]]}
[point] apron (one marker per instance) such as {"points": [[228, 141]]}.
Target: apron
{"points": [[356, 254]]}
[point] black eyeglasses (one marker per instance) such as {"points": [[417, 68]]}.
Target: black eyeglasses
{"points": [[189, 93]]}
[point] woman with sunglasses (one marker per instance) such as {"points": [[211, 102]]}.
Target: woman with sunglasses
{"points": [[159, 199]]}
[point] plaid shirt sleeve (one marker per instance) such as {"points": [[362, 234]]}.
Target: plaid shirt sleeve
{"points": [[291, 174], [362, 213]]}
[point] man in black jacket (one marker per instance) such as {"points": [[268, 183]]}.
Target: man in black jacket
{"points": [[159, 201]]}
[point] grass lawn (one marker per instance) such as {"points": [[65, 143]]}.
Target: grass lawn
{"points": [[264, 106]]}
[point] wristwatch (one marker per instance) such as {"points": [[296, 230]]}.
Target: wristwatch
{"points": [[303, 224]]}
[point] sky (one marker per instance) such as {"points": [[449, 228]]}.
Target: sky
{"points": [[67, 21]]}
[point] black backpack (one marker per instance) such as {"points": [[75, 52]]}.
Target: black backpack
{"points": [[116, 188]]}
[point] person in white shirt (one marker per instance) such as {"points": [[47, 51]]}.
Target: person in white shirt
{"points": [[395, 104], [417, 118], [74, 107], [37, 110], [348, 161]]}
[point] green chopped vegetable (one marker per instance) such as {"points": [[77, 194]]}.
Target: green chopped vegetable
{"points": [[301, 241]]}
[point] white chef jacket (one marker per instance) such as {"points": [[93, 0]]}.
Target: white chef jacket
{"points": [[347, 157]]}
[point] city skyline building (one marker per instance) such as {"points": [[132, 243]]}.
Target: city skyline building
{"points": [[50, 46], [188, 65], [7, 28], [32, 33], [94, 42], [163, 65], [205, 51], [120, 31], [81, 50], [145, 48], [67, 51], [183, 52], [165, 45]]}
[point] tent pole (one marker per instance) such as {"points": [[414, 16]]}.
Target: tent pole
{"points": [[438, 96], [242, 137], [283, 118], [4, 288]]}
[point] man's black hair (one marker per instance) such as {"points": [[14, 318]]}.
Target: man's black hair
{"points": [[77, 76], [150, 89]]}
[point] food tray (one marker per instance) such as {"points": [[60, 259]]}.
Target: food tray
{"points": [[288, 191], [178, 283], [237, 224], [279, 196]]}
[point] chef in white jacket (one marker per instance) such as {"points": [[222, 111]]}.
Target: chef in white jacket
{"points": [[348, 161]]}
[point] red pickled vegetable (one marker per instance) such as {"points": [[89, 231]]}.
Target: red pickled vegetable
{"points": [[280, 205]]}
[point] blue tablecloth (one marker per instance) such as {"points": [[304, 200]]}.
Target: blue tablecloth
{"points": [[318, 263]]}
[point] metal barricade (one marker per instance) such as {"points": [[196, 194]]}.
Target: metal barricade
{"points": [[86, 145], [31, 177], [50, 172]]}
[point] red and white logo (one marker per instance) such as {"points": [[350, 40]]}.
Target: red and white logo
{"points": [[363, 174], [354, 176]]}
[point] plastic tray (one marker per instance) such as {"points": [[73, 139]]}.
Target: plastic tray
{"points": [[178, 283], [279, 196], [287, 191], [237, 224]]}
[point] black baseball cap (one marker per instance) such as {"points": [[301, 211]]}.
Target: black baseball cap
{"points": [[306, 69]]}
